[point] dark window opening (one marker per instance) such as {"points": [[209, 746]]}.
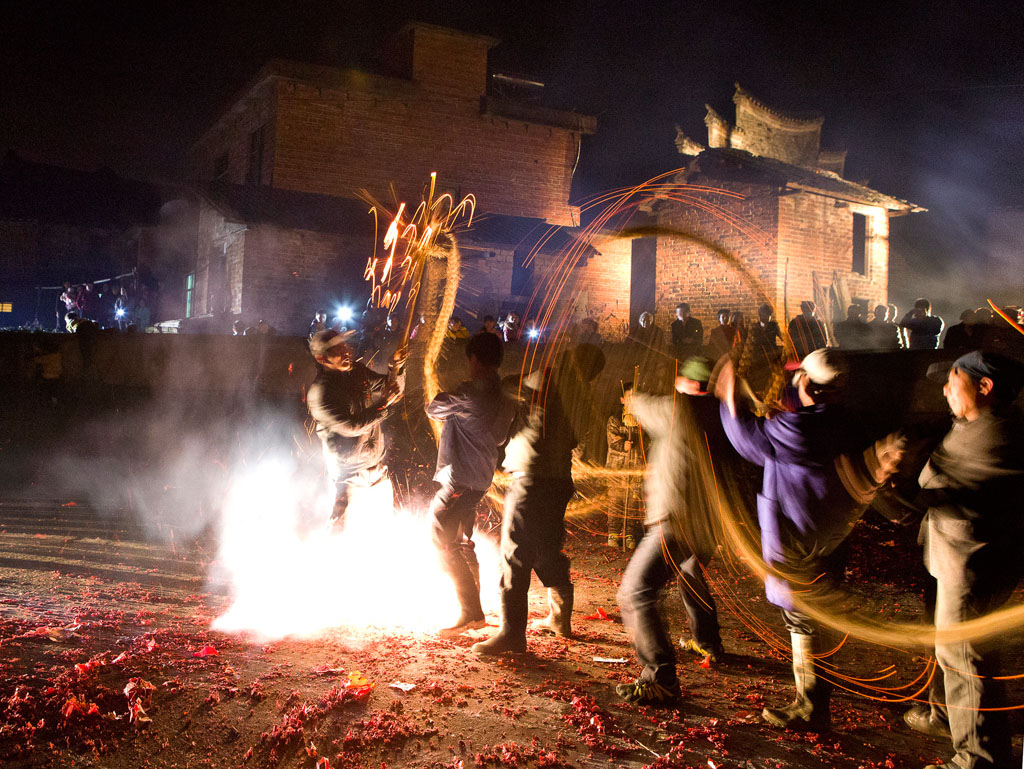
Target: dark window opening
{"points": [[220, 167], [255, 173], [522, 272], [860, 244]]}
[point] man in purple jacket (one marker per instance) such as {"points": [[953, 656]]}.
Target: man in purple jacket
{"points": [[805, 511]]}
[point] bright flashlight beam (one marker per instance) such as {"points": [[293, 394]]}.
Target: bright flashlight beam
{"points": [[119, 312], [344, 314]]}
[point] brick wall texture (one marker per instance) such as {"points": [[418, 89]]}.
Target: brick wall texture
{"points": [[337, 132], [765, 247]]}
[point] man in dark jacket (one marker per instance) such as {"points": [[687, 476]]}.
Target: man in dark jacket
{"points": [[882, 331], [805, 510], [972, 486], [476, 420], [853, 333], [922, 329], [687, 333], [533, 526], [806, 331], [349, 403]]}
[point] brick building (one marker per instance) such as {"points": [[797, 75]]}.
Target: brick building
{"points": [[282, 229], [785, 226]]}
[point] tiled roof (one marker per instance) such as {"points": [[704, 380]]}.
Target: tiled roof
{"points": [[724, 164], [256, 204]]}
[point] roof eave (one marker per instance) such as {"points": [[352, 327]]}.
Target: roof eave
{"points": [[894, 206]]}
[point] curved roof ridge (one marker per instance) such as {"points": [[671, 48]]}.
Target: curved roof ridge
{"points": [[796, 121]]}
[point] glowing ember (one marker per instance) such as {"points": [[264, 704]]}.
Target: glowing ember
{"points": [[289, 576], [407, 241]]}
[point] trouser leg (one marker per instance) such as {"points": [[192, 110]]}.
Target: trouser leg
{"points": [[937, 684], [545, 517], [453, 511], [518, 554], [980, 731], [698, 602], [973, 578], [809, 641], [341, 499], [646, 574]]}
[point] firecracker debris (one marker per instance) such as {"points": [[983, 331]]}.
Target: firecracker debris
{"points": [[107, 660]]}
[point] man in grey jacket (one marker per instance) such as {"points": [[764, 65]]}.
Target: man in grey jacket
{"points": [[476, 419], [678, 542], [349, 403], [972, 486]]}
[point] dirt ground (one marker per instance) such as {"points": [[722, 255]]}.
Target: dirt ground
{"points": [[88, 606]]}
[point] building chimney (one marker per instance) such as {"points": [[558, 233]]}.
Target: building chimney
{"points": [[442, 59]]}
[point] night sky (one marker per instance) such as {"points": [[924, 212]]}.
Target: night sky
{"points": [[927, 97]]}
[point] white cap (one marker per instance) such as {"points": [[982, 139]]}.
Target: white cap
{"points": [[322, 341], [824, 367]]}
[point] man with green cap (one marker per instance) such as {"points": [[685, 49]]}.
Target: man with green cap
{"points": [[678, 543]]}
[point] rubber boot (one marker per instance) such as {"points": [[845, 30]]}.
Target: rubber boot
{"points": [[511, 637], [810, 709], [467, 588], [559, 619]]}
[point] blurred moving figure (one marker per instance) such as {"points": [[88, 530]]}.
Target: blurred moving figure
{"points": [[677, 544], [349, 403], [558, 411], [476, 419], [812, 494], [972, 546]]}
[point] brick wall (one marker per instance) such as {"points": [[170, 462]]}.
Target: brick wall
{"points": [[289, 274], [596, 287], [782, 242], [450, 61], [232, 135], [725, 258], [816, 239], [337, 141]]}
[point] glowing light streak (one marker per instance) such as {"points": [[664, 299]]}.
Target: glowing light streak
{"points": [[1002, 314], [407, 243]]}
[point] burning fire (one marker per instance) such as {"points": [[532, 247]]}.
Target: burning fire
{"points": [[289, 576]]}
